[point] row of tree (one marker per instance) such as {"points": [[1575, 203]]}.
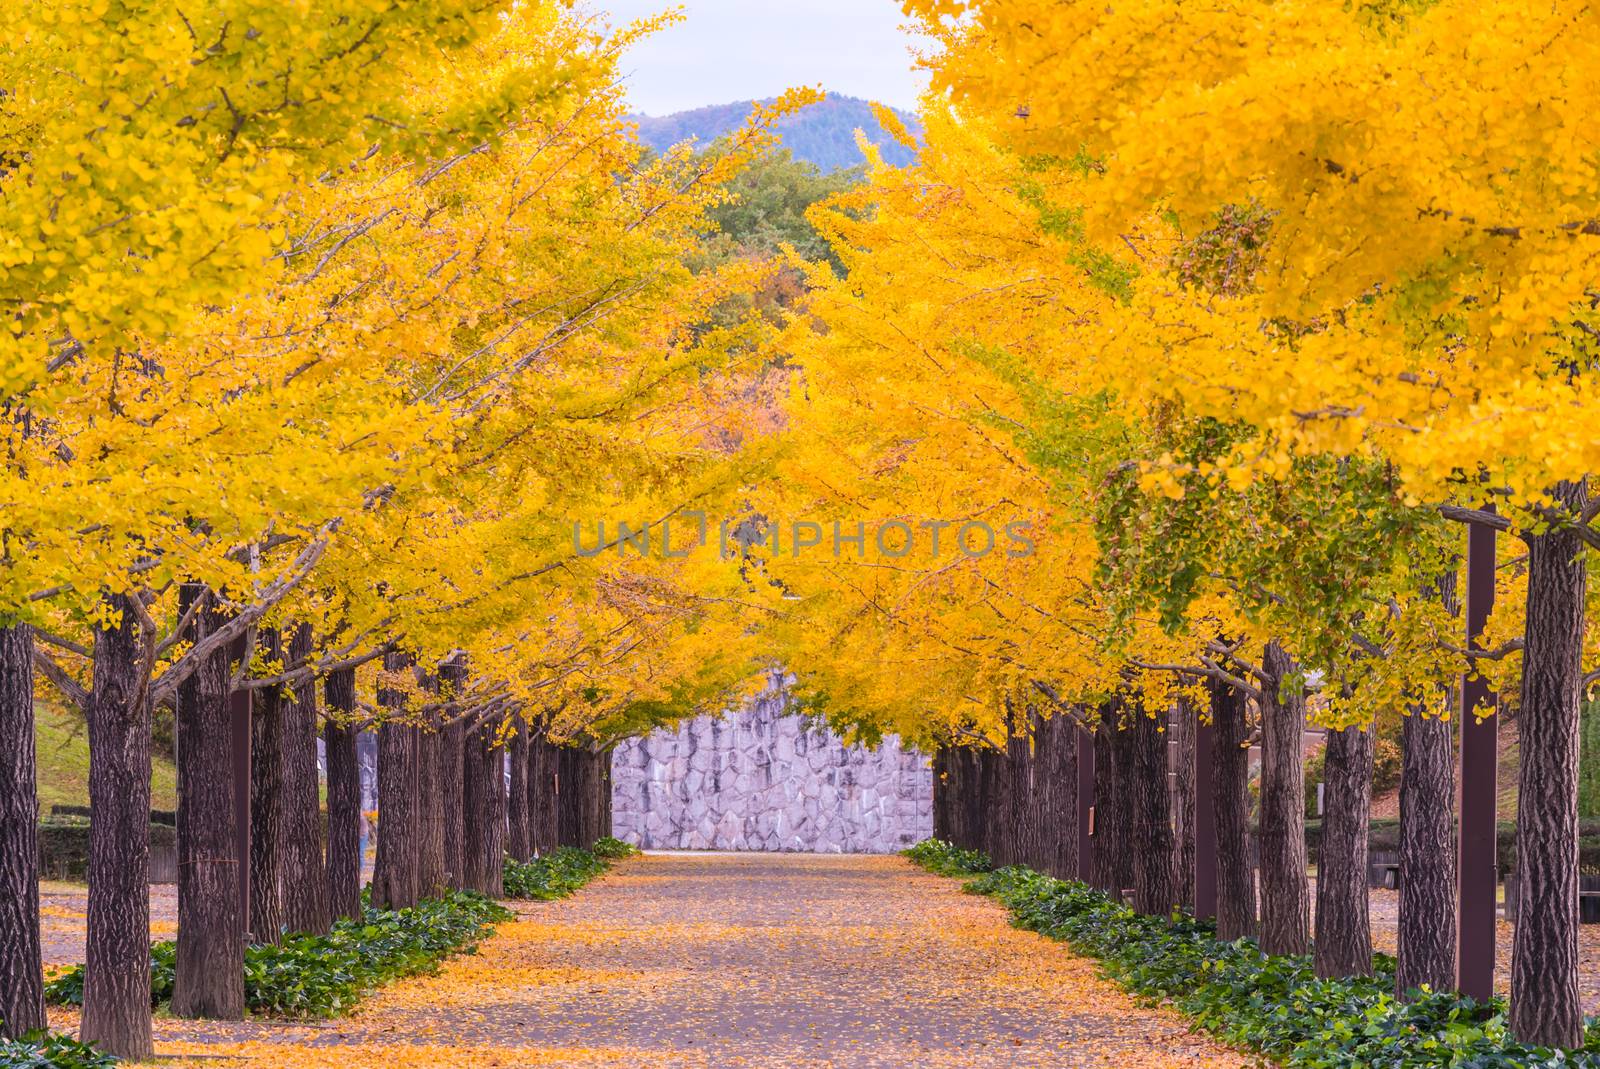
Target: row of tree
{"points": [[325, 324], [1247, 339]]}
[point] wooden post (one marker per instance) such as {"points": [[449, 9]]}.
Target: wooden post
{"points": [[1477, 864], [1085, 871], [1205, 821]]}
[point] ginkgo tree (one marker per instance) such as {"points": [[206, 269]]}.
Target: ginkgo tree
{"points": [[359, 447], [1430, 195]]}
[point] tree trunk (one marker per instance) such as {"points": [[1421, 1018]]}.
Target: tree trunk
{"points": [[210, 969], [570, 796], [543, 818], [395, 874], [305, 892], [344, 795], [1344, 932], [1427, 933], [1230, 771], [21, 972], [1151, 841], [433, 877], [453, 680], [604, 760], [267, 801], [941, 796], [520, 844], [1285, 886], [116, 984], [1113, 802], [478, 808], [1545, 1006], [589, 795], [451, 750], [1183, 803], [1060, 766]]}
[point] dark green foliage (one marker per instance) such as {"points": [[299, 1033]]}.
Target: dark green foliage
{"points": [[38, 1050], [562, 871], [322, 976], [947, 859], [1275, 1005], [612, 849], [769, 206]]}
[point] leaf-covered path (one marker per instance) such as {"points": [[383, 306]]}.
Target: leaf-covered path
{"points": [[753, 960]]}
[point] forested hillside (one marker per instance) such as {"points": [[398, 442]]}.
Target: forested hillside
{"points": [[823, 134]]}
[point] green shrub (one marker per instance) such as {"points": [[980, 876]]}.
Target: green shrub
{"points": [[562, 871], [613, 849], [321, 976], [947, 859], [1275, 1005], [42, 1050]]}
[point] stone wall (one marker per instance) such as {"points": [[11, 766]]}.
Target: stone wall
{"points": [[760, 778]]}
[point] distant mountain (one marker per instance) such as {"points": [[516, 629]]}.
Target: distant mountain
{"points": [[823, 134]]}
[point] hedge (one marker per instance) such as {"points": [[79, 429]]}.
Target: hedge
{"points": [[1271, 1004], [562, 871], [322, 976]]}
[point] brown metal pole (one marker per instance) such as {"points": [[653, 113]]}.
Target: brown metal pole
{"points": [[1205, 820], [1085, 805], [1477, 872], [239, 713]]}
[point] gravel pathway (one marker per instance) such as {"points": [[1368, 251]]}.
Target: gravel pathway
{"points": [[747, 960]]}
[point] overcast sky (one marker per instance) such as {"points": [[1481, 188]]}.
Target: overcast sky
{"points": [[730, 50]]}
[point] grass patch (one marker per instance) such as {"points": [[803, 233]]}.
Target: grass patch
{"points": [[1272, 1004], [62, 740]]}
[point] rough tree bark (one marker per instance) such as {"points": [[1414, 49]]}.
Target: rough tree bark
{"points": [[1545, 1006], [1060, 768], [588, 798], [210, 968], [344, 795], [941, 795], [1285, 887], [1151, 842], [1344, 932], [604, 759], [1113, 802], [478, 809], [988, 802], [1027, 829], [394, 876], [267, 801], [21, 974], [1230, 774], [542, 814], [433, 876], [304, 891], [520, 843], [1427, 931], [956, 789], [494, 846], [1183, 803], [116, 986], [453, 680]]}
